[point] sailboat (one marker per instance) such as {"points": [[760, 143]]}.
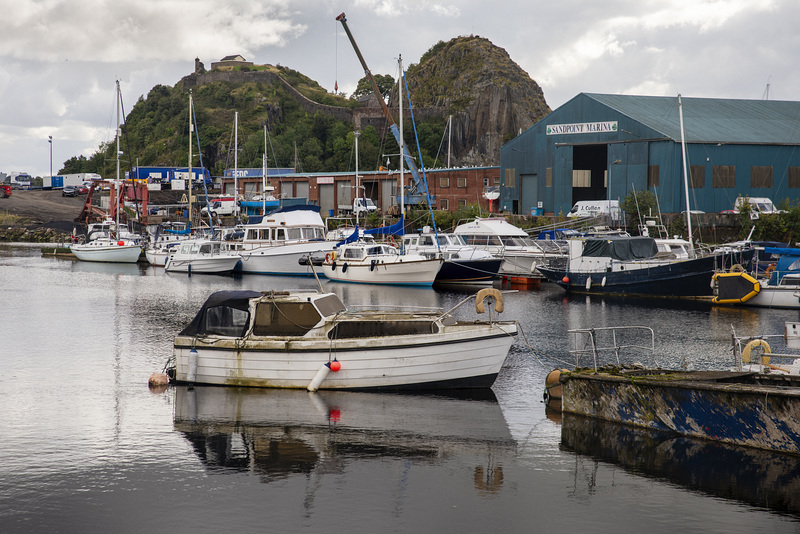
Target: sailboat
{"points": [[111, 248], [360, 260]]}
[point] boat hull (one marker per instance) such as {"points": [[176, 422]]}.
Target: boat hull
{"points": [[679, 278], [112, 253], [459, 357], [727, 407], [482, 271], [402, 273], [209, 265], [282, 260]]}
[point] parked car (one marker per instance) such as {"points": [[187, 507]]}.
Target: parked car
{"points": [[69, 191], [81, 189]]}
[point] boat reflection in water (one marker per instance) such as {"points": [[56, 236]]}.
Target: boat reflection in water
{"points": [[277, 433], [753, 476]]}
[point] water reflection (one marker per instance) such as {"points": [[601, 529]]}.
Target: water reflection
{"points": [[759, 478], [280, 433]]}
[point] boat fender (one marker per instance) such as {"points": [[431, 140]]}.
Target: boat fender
{"points": [[588, 283], [372, 265], [603, 282], [316, 382], [489, 292], [157, 381], [191, 375], [552, 385], [344, 267], [747, 351], [736, 268], [565, 279], [333, 266]]}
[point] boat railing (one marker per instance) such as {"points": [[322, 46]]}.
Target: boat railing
{"points": [[756, 350], [609, 344]]}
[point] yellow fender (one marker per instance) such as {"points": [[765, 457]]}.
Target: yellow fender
{"points": [[489, 292], [748, 349]]}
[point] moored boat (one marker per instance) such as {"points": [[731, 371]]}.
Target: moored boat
{"points": [[634, 266], [368, 262], [779, 288], [311, 340], [203, 255], [462, 264]]}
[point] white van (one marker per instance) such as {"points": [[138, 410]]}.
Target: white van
{"points": [[221, 207], [596, 208], [758, 205]]}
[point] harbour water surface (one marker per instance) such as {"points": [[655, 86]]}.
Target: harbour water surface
{"points": [[85, 446]]}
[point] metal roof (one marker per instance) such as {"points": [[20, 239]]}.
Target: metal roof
{"points": [[712, 120]]}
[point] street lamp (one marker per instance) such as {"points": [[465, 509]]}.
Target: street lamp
{"points": [[50, 140]]}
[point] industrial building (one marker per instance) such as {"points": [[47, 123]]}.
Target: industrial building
{"points": [[602, 147]]}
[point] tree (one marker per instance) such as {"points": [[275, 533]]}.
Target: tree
{"points": [[385, 83], [639, 204]]}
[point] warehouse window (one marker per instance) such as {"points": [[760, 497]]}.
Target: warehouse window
{"points": [[760, 176], [548, 177], [697, 176], [581, 178], [794, 177], [652, 175], [510, 174], [462, 182], [485, 182], [444, 204], [462, 203], [444, 182], [723, 176]]}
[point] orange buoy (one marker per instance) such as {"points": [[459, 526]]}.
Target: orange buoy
{"points": [[565, 279], [335, 365], [121, 242]]}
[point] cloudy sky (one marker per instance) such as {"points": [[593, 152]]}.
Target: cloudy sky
{"points": [[59, 58]]}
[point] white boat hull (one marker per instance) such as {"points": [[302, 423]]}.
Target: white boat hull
{"points": [[410, 273], [209, 265], [282, 259], [156, 257], [456, 357], [775, 297], [110, 252]]}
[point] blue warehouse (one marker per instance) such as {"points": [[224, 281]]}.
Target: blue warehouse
{"points": [[602, 147]]}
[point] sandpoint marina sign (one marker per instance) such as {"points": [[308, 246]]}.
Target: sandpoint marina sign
{"points": [[583, 127]]}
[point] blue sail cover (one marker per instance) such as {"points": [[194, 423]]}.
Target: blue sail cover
{"points": [[349, 239], [788, 262], [397, 228]]}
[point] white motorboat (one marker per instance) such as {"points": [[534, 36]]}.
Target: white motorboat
{"points": [[500, 238], [275, 243], [367, 262], [203, 255], [309, 340], [165, 241], [779, 287], [462, 264]]}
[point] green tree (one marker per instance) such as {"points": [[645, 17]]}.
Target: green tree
{"points": [[384, 81], [639, 204]]}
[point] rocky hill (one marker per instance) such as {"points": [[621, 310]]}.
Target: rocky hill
{"points": [[489, 96]]}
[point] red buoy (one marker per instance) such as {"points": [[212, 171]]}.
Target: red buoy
{"points": [[335, 365], [565, 280], [120, 243]]}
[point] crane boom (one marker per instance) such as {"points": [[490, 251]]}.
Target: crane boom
{"points": [[414, 197]]}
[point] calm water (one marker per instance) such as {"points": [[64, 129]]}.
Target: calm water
{"points": [[85, 446]]}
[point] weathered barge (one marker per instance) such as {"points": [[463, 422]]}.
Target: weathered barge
{"points": [[754, 404]]}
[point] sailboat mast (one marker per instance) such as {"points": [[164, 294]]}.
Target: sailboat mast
{"points": [[116, 182], [685, 178], [236, 163], [356, 203], [264, 176], [402, 141], [191, 133]]}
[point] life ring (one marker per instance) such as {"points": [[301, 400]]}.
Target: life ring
{"points": [[489, 292], [330, 257], [770, 270], [736, 268], [394, 243], [748, 349]]}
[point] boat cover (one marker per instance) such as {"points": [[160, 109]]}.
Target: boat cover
{"points": [[397, 228], [239, 300], [621, 248]]}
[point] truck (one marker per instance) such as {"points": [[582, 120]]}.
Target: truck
{"points": [[79, 178], [220, 207], [597, 208], [20, 180], [757, 206]]}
